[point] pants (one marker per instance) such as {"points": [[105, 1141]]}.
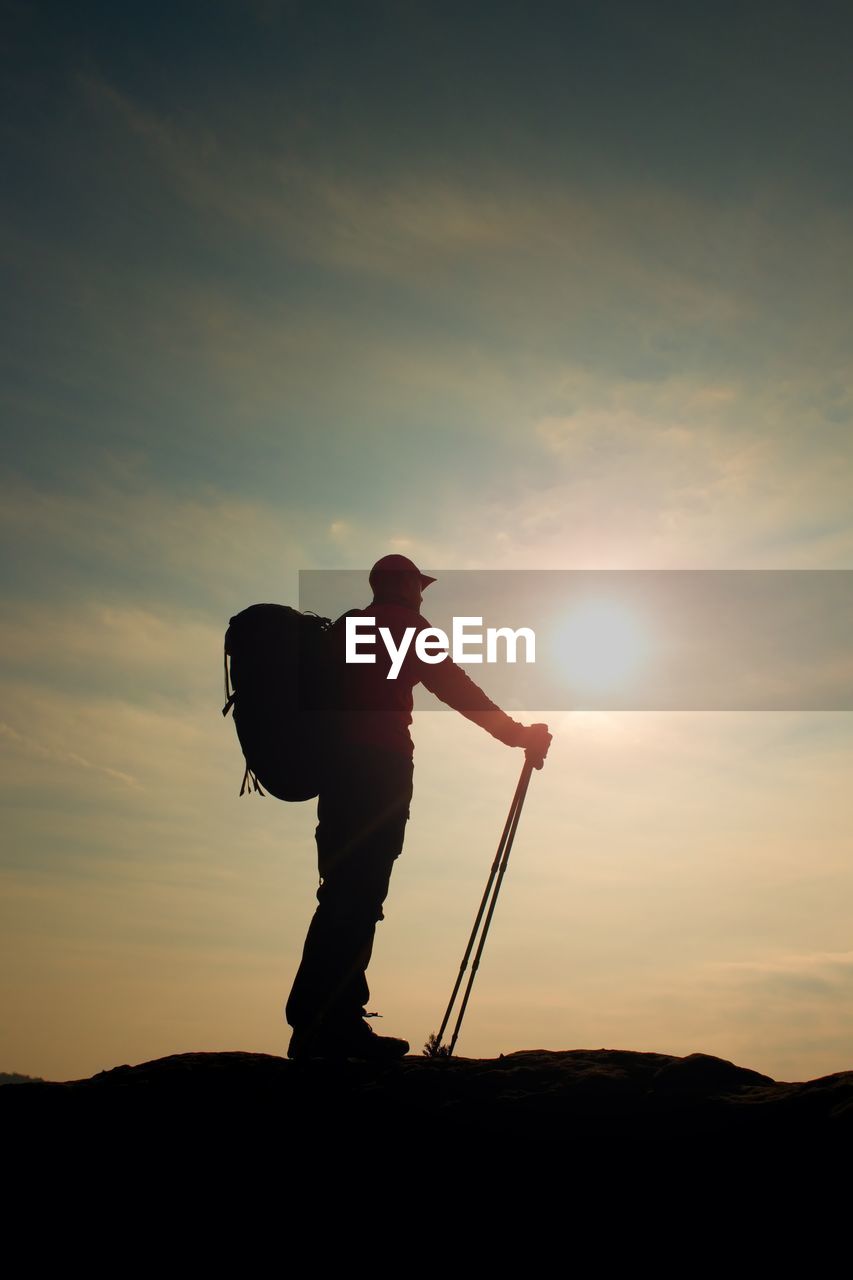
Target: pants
{"points": [[362, 811]]}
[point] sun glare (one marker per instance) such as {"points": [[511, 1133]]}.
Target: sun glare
{"points": [[600, 645]]}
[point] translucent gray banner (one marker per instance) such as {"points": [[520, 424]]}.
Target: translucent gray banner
{"points": [[656, 640]]}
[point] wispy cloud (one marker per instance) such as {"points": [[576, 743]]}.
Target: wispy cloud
{"points": [[826, 972], [55, 755], [659, 264]]}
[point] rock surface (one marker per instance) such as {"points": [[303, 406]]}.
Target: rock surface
{"points": [[532, 1096]]}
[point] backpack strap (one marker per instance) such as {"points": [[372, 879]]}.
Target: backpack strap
{"points": [[229, 692], [250, 778], [250, 783]]}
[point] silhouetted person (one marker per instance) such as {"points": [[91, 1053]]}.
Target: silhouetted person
{"points": [[363, 807]]}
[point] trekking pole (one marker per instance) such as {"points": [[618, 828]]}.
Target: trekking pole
{"points": [[498, 869], [495, 866], [523, 781]]}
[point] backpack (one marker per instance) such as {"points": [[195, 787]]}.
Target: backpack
{"points": [[275, 686]]}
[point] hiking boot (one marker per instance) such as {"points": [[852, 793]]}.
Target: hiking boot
{"points": [[366, 1044], [357, 1041]]}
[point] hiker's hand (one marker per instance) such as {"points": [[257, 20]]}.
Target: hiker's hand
{"points": [[536, 742]]}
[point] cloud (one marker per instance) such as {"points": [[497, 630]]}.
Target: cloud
{"points": [[660, 277], [52, 755], [139, 747], [634, 376], [828, 973], [151, 544], [89, 638]]}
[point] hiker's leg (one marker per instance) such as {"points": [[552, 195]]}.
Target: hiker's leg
{"points": [[362, 814]]}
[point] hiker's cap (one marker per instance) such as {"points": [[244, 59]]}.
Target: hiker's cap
{"points": [[397, 564]]}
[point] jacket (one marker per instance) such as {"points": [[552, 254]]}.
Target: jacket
{"points": [[371, 710]]}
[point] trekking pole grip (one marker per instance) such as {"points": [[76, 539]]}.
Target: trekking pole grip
{"points": [[537, 747]]}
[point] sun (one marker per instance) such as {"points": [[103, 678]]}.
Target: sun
{"points": [[600, 644]]}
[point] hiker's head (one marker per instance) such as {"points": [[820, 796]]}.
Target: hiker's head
{"points": [[397, 580]]}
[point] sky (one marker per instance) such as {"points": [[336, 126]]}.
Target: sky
{"points": [[290, 286]]}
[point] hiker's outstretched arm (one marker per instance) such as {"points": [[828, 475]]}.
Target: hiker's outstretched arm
{"points": [[451, 684]]}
